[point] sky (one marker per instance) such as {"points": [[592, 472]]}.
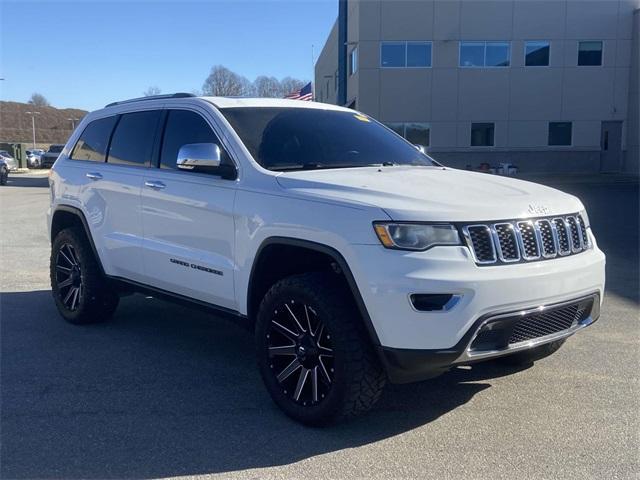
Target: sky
{"points": [[85, 54]]}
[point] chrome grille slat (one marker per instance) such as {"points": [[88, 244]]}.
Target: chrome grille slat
{"points": [[481, 243], [526, 240], [575, 235], [506, 240], [548, 238]]}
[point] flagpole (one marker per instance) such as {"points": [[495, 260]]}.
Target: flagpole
{"points": [[313, 74]]}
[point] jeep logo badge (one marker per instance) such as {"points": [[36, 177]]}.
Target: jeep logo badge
{"points": [[536, 209]]}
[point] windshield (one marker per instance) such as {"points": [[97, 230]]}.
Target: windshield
{"points": [[55, 148], [307, 138]]}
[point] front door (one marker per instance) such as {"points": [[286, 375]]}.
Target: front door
{"points": [[611, 147], [187, 219]]}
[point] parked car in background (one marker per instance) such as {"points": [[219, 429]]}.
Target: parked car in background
{"points": [[49, 158], [34, 158], [9, 161], [4, 172]]}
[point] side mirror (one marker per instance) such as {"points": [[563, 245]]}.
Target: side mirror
{"points": [[196, 156]]}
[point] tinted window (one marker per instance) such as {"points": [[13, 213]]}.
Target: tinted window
{"points": [[56, 148], [560, 133], [92, 144], [306, 138], [482, 134], [184, 127], [393, 54], [589, 53], [133, 139], [536, 54]]}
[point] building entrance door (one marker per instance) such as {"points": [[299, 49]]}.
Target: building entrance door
{"points": [[611, 147]]}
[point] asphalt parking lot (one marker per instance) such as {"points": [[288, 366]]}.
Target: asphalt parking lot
{"points": [[165, 391]]}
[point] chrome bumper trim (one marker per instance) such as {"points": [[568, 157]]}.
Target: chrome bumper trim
{"points": [[468, 356]]}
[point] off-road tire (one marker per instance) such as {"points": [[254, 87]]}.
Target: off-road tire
{"points": [[96, 301], [358, 378], [528, 357]]}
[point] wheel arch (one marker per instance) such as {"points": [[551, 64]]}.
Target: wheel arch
{"points": [[257, 285], [65, 216]]}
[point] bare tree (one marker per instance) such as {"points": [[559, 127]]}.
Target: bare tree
{"points": [[268, 87], [38, 100], [223, 82], [289, 85], [149, 92]]}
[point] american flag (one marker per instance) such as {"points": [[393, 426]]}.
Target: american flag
{"points": [[305, 93]]}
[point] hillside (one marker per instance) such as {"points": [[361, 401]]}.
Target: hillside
{"points": [[52, 125]]}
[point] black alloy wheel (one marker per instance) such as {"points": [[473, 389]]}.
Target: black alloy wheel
{"points": [[314, 355], [81, 291], [69, 277], [300, 352]]}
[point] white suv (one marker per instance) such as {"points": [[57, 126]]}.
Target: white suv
{"points": [[356, 258]]}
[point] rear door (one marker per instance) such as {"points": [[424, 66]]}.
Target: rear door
{"points": [[111, 156], [188, 217]]}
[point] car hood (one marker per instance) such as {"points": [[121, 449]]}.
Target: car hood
{"points": [[432, 193]]}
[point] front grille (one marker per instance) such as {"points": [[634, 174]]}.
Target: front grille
{"points": [[526, 240], [542, 324]]}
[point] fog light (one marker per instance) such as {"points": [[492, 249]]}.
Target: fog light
{"points": [[434, 302]]}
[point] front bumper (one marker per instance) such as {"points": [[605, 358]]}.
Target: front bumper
{"points": [[416, 344], [409, 365]]}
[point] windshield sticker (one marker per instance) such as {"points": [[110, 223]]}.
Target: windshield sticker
{"points": [[361, 117]]}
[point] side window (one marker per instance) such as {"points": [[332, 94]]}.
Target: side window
{"points": [[184, 127], [133, 139], [92, 144]]}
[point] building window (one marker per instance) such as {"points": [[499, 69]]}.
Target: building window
{"points": [[405, 54], [353, 61], [589, 53], [536, 54], [418, 54], [482, 134], [485, 54], [417, 133], [560, 133]]}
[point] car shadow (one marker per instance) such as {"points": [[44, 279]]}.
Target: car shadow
{"points": [[21, 180], [164, 390]]}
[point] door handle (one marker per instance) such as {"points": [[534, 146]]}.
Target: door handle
{"points": [[154, 184], [94, 176]]}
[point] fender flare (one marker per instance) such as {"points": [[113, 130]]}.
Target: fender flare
{"points": [[336, 256], [80, 214]]}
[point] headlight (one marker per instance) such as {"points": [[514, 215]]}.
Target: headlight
{"points": [[415, 236]]}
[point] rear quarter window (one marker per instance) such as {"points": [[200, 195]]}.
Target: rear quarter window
{"points": [[93, 142]]}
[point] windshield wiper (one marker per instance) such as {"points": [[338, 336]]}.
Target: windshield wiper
{"points": [[324, 166]]}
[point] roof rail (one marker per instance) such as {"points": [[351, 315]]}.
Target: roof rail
{"points": [[151, 97]]}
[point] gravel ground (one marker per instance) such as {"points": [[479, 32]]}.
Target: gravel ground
{"points": [[165, 391]]}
